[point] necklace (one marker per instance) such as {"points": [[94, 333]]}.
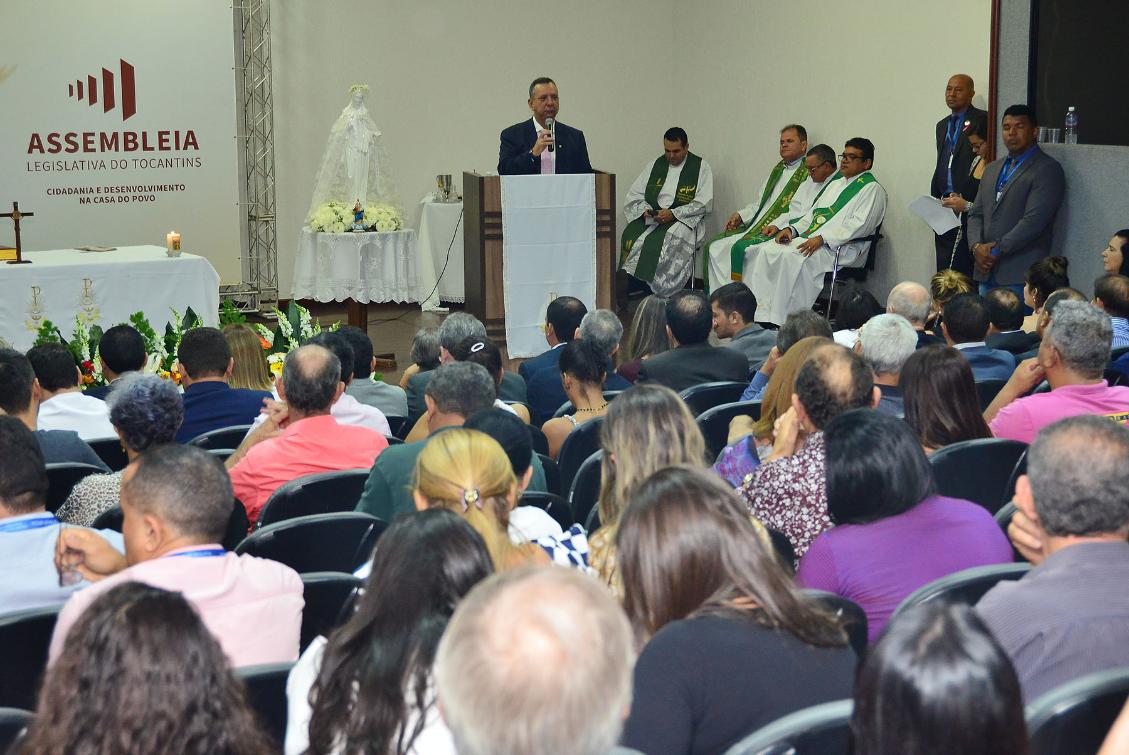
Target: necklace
{"points": [[591, 409]]}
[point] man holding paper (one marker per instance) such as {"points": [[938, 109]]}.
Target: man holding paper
{"points": [[541, 145], [665, 208], [954, 155]]}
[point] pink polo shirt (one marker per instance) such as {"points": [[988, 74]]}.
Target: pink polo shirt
{"points": [[253, 606], [308, 446], [1023, 418]]}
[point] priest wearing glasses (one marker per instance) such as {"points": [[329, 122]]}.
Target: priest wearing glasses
{"points": [[540, 145]]}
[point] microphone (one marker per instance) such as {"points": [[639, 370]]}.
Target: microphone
{"points": [[552, 126]]}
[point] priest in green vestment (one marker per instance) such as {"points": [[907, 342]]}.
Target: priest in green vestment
{"points": [[665, 208]]}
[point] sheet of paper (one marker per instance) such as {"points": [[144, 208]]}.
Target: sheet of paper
{"points": [[941, 219]]}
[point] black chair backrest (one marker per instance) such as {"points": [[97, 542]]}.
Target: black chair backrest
{"points": [[967, 586], [398, 425], [61, 479], [25, 637], [13, 722], [819, 730], [977, 470], [221, 453], [1004, 515], [1117, 353], [393, 440], [329, 597], [785, 551], [224, 437], [592, 523], [552, 474], [1076, 717], [714, 423], [110, 519], [540, 442], [568, 408], [708, 395], [986, 390], [110, 451], [585, 490], [1115, 377], [320, 493], [552, 504], [582, 442], [850, 613], [340, 541], [266, 692]]}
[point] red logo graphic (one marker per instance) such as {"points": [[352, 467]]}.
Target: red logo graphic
{"points": [[88, 90]]}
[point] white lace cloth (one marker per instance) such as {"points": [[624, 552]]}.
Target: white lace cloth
{"points": [[364, 267], [439, 223]]}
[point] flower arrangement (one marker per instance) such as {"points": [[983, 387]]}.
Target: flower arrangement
{"points": [[294, 328], [83, 347], [335, 217]]}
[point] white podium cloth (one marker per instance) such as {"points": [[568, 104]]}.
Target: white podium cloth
{"points": [[439, 222], [548, 250], [105, 288], [364, 267]]}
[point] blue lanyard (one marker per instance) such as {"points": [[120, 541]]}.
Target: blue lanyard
{"points": [[1010, 166], [952, 132], [199, 553], [37, 523]]}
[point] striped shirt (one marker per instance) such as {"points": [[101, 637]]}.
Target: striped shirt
{"points": [[1120, 332]]}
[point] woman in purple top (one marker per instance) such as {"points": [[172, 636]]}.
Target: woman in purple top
{"points": [[893, 533]]}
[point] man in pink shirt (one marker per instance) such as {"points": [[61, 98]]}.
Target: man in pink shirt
{"points": [[176, 502], [300, 437], [1074, 352]]}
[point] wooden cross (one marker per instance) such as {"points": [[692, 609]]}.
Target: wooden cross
{"points": [[15, 215]]}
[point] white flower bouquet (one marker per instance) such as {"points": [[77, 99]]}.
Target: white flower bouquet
{"points": [[383, 218], [335, 217]]}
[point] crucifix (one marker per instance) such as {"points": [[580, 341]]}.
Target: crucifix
{"points": [[15, 215]]}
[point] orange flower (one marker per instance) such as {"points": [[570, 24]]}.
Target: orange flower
{"points": [[264, 343]]}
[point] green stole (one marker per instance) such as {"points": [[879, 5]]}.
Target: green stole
{"points": [[652, 245], [823, 214]]}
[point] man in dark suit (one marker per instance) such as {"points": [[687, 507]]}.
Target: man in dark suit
{"points": [[692, 361], [529, 147], [542, 373], [954, 153], [121, 350], [210, 403], [1005, 314], [965, 325], [1011, 222]]}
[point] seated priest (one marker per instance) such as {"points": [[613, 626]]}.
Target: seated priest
{"points": [[786, 272], [665, 210]]}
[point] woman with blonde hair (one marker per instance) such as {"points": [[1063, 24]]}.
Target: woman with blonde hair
{"points": [[468, 472], [647, 336], [943, 286], [251, 370]]}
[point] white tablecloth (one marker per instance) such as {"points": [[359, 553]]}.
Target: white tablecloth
{"points": [[439, 222], [105, 288], [364, 267]]}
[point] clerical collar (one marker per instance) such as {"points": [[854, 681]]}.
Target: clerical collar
{"points": [[794, 162]]}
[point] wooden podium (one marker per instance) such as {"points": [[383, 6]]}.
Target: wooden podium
{"points": [[482, 246]]}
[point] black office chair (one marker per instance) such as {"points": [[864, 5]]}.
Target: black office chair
{"points": [[320, 493], [552, 474], [329, 599], [221, 453], [398, 426], [540, 442], [1115, 377], [714, 423], [840, 273], [986, 391], [61, 479], [393, 440], [585, 490], [339, 541], [850, 613], [110, 451], [592, 523], [266, 692], [1076, 717], [819, 730], [111, 519], [784, 550], [13, 722], [581, 443], [224, 437], [25, 637], [977, 470], [708, 395], [568, 408], [552, 504], [967, 586]]}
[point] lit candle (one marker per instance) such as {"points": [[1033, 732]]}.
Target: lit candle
{"points": [[172, 242]]}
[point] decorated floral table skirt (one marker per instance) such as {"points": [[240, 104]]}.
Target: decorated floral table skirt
{"points": [[364, 267]]}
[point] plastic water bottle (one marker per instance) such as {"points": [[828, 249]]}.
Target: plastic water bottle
{"points": [[1070, 132]]}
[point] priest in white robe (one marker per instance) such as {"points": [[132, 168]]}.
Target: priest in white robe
{"points": [[665, 208], [773, 198], [786, 272]]}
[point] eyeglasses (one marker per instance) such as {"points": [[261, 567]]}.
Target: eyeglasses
{"points": [[846, 157]]}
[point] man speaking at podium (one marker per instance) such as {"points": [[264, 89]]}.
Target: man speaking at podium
{"points": [[541, 145]]}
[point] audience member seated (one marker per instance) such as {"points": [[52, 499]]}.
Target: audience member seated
{"points": [[940, 400], [205, 364], [935, 683], [542, 372], [886, 342], [19, 397], [300, 437], [1111, 295], [62, 404], [1005, 318], [730, 643], [692, 361], [28, 578], [152, 679], [251, 370], [892, 533], [583, 368], [1061, 295], [646, 429], [120, 350], [1072, 357], [943, 286], [734, 317], [647, 337], [799, 325], [176, 501], [424, 354], [146, 412], [347, 410], [855, 309], [913, 302], [603, 328], [391, 400], [371, 686], [468, 472], [536, 661], [965, 327], [787, 491], [1042, 279], [1069, 616]]}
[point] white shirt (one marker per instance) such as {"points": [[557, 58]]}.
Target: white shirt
{"points": [[546, 154], [86, 415]]}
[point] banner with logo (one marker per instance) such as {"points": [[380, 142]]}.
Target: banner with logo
{"points": [[118, 125]]}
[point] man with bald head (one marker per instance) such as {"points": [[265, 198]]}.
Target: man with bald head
{"points": [[954, 153], [300, 436], [912, 301]]}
